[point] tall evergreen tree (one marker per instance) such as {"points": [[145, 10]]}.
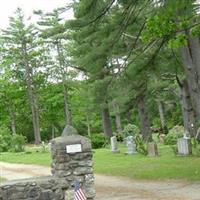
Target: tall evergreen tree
{"points": [[22, 48]]}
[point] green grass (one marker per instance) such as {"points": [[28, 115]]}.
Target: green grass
{"points": [[165, 166], [30, 157], [2, 179]]}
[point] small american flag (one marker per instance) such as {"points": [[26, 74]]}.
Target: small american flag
{"points": [[79, 194]]}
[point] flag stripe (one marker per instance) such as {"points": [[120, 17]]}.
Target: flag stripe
{"points": [[79, 193], [82, 194]]}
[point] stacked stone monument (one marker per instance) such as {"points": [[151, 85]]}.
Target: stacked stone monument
{"points": [[72, 161]]}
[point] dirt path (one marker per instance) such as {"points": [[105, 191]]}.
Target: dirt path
{"points": [[116, 188]]}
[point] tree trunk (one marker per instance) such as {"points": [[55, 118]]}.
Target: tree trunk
{"points": [[88, 125], [144, 119], [117, 117], [187, 110], [106, 121], [191, 62], [52, 131], [68, 117], [118, 123], [32, 97], [12, 120], [34, 110], [162, 116]]}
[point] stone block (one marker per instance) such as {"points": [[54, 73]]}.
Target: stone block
{"points": [[152, 149], [67, 167]]}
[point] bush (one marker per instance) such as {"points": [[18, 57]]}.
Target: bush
{"points": [[98, 140], [140, 145], [196, 147], [171, 138], [173, 135], [18, 143], [5, 138], [130, 130], [11, 142]]}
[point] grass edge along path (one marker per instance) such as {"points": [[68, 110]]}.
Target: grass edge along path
{"points": [[2, 179], [165, 166]]}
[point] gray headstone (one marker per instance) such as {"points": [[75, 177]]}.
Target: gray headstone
{"points": [[184, 146], [152, 149], [114, 146], [130, 144]]}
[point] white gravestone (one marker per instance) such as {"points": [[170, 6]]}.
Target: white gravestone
{"points": [[184, 146], [114, 146], [130, 144]]}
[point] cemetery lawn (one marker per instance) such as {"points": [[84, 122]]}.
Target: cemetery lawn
{"points": [[2, 179], [166, 166]]}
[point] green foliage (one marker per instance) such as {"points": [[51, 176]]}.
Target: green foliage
{"points": [[18, 143], [196, 147], [179, 40], [140, 145], [110, 54], [172, 137], [10, 142], [98, 140], [130, 129], [5, 139], [159, 26]]}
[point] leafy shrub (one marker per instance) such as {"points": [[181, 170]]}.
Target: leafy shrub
{"points": [[18, 143], [196, 147], [11, 142], [98, 140], [140, 145], [130, 129], [171, 138], [5, 138], [173, 135]]}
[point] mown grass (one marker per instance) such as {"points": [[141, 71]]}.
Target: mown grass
{"points": [[165, 166], [30, 156], [2, 179]]}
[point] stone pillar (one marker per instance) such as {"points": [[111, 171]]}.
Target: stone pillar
{"points": [[130, 143], [152, 149], [114, 147], [72, 160], [184, 146]]}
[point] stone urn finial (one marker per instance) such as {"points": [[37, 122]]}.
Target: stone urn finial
{"points": [[69, 131]]}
